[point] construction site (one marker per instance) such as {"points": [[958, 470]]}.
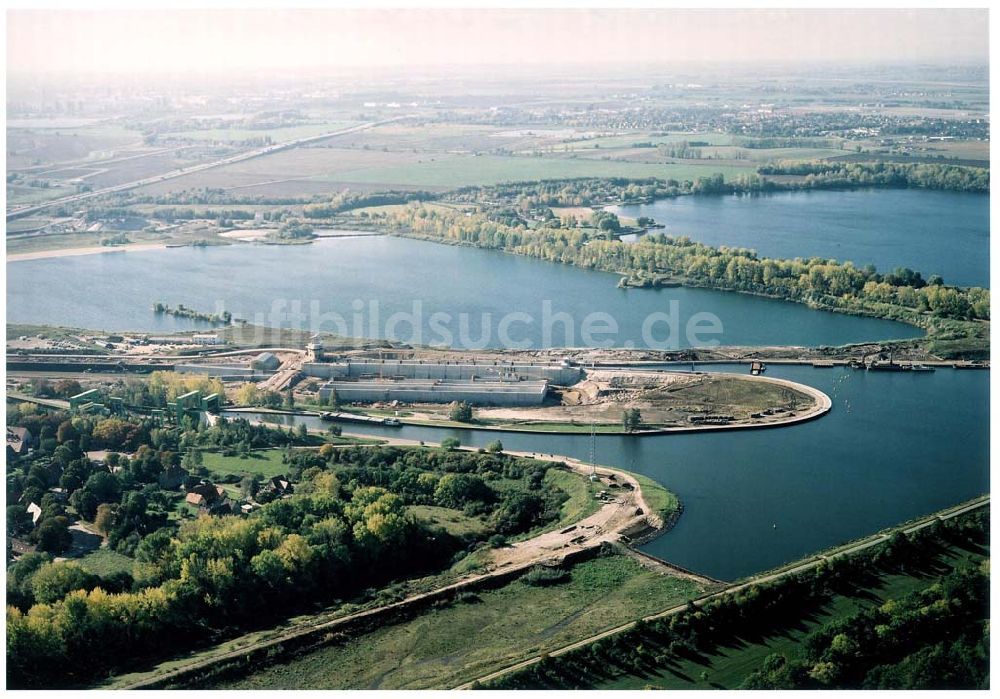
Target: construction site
{"points": [[483, 382], [542, 391]]}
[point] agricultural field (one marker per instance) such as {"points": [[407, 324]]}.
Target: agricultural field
{"points": [[48, 163], [22, 194], [314, 170], [36, 144], [142, 165], [628, 140], [451, 644], [437, 138]]}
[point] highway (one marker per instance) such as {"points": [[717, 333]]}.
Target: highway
{"points": [[18, 212]]}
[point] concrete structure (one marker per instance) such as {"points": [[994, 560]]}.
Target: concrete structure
{"points": [[561, 374], [207, 340], [213, 401], [168, 340], [314, 351], [501, 393], [265, 361], [81, 399]]}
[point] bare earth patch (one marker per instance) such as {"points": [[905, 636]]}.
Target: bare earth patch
{"points": [[667, 399]]}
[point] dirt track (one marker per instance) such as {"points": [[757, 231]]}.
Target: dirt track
{"points": [[626, 513]]}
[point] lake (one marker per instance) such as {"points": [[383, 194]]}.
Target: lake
{"points": [[945, 233], [894, 447], [411, 291]]}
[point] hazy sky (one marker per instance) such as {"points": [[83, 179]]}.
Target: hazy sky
{"points": [[227, 40]]}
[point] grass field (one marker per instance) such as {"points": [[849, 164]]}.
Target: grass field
{"points": [[663, 502], [732, 394], [312, 170], [462, 170], [18, 195], [627, 140], [581, 502], [266, 463], [34, 143], [446, 646], [452, 521], [105, 562], [730, 665]]}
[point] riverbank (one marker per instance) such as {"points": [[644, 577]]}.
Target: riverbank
{"points": [[90, 250], [948, 324], [227, 237]]}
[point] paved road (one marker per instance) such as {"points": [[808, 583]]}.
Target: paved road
{"points": [[18, 212]]}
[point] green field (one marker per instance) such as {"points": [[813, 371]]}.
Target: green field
{"points": [[266, 463], [449, 645], [581, 501], [105, 562], [34, 143], [20, 195], [463, 170], [315, 170], [730, 665], [663, 502], [627, 140], [452, 521]]}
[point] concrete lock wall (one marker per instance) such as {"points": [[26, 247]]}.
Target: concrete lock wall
{"points": [[560, 374], [325, 370], [423, 391]]}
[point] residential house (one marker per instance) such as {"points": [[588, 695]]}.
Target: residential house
{"points": [[19, 441], [282, 486], [36, 513], [209, 498]]}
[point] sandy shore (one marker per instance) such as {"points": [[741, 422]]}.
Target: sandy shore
{"points": [[91, 250]]}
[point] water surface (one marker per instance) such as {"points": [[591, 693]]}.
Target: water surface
{"points": [[945, 233], [894, 447], [391, 288]]}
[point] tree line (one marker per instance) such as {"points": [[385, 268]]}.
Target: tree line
{"points": [[902, 294], [599, 191], [836, 174], [933, 638]]}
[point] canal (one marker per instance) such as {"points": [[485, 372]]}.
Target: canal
{"points": [[894, 447]]}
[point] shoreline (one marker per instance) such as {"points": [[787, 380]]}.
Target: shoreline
{"points": [[241, 236], [89, 250]]}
